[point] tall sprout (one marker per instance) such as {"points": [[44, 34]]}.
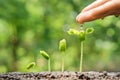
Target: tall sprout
{"points": [[81, 35], [62, 48], [47, 57], [82, 39]]}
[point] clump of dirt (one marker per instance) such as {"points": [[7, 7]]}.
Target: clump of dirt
{"points": [[61, 76]]}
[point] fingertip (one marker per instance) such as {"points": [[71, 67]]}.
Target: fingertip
{"points": [[79, 20]]}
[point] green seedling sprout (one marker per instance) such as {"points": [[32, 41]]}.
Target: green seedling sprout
{"points": [[31, 65], [46, 56], [81, 35], [62, 48]]}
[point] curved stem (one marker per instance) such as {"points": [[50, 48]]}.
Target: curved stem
{"points": [[49, 68], [81, 56]]}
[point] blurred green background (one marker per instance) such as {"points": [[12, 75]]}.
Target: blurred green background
{"points": [[28, 26]]}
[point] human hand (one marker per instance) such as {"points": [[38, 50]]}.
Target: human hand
{"points": [[99, 9]]}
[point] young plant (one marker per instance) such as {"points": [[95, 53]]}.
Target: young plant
{"points": [[46, 56], [62, 48], [30, 65], [81, 35]]}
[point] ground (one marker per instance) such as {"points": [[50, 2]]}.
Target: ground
{"points": [[67, 75]]}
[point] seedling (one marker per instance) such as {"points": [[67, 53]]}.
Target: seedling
{"points": [[46, 56], [81, 35], [31, 65], [62, 48]]}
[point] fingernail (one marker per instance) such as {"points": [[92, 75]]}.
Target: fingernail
{"points": [[78, 19]]}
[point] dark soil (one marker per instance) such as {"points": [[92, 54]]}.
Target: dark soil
{"points": [[61, 76]]}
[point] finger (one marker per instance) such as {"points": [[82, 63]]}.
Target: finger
{"points": [[95, 4], [96, 13], [87, 17]]}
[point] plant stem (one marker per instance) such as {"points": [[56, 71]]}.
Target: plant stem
{"points": [[49, 68], [81, 56], [62, 61]]}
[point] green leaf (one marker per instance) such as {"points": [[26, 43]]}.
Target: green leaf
{"points": [[89, 30], [62, 45], [44, 54], [73, 32], [32, 64]]}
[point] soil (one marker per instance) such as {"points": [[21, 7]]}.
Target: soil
{"points": [[61, 76]]}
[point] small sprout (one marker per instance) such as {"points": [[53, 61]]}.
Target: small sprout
{"points": [[62, 48], [46, 56], [62, 45], [31, 65], [73, 32], [89, 30]]}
